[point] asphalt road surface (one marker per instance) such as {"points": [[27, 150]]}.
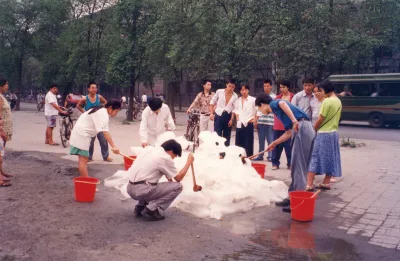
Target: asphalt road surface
{"points": [[361, 130]]}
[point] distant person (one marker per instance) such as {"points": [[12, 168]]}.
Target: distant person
{"points": [[265, 125], [202, 103], [279, 129], [144, 100], [156, 119], [51, 110], [6, 130], [303, 99], [72, 99], [90, 124], [144, 186], [298, 128], [123, 102], [221, 107], [245, 112], [375, 93], [346, 92], [95, 100], [13, 100], [325, 158]]}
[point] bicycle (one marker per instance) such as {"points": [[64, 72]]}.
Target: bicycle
{"points": [[40, 106], [137, 111], [66, 125], [193, 128]]}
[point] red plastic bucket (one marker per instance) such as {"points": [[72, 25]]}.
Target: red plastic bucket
{"points": [[128, 162], [85, 188], [302, 205], [260, 168]]}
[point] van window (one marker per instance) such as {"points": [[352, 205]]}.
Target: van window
{"points": [[362, 89], [389, 89]]}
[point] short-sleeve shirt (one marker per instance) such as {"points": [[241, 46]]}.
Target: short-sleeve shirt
{"points": [[303, 101], [151, 165], [88, 126], [266, 119], [331, 109], [49, 110], [281, 115], [203, 102]]}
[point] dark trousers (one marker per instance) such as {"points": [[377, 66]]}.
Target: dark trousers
{"points": [[103, 146], [221, 126], [245, 138], [277, 152]]}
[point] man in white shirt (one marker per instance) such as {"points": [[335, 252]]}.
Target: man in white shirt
{"points": [[245, 112], [51, 110], [149, 167], [156, 119], [221, 107], [144, 99], [303, 99]]}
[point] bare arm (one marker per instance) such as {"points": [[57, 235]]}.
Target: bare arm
{"points": [[102, 100], [2, 135], [109, 139], [58, 108], [80, 104], [184, 170], [318, 123], [290, 114]]}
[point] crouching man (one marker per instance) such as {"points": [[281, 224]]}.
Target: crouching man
{"points": [[145, 173]]}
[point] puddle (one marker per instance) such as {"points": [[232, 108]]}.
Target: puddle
{"points": [[294, 241]]}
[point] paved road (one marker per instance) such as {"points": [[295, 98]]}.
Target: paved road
{"points": [[360, 130]]}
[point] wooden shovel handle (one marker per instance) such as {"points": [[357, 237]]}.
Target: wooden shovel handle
{"points": [[125, 156], [194, 178]]}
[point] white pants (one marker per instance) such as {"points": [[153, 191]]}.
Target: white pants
{"points": [[206, 124]]}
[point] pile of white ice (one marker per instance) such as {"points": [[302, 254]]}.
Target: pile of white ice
{"points": [[229, 186]]}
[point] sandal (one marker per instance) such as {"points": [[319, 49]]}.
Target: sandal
{"points": [[5, 184], [7, 175], [310, 188], [324, 186]]}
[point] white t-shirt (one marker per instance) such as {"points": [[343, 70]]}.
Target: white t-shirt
{"points": [[144, 98], [87, 127], [49, 110], [151, 165]]}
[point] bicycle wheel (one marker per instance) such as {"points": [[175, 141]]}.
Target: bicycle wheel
{"points": [[139, 115], [63, 131], [196, 132], [68, 130]]}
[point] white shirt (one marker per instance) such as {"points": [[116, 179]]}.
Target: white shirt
{"points": [[49, 110], [152, 125], [88, 126], [246, 110], [151, 165], [144, 98], [219, 100], [315, 106]]}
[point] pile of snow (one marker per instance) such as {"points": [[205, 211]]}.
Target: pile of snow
{"points": [[229, 186]]}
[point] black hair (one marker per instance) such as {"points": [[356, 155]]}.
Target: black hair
{"points": [[268, 81], [308, 80], [205, 81], [90, 83], [3, 81], [327, 86], [114, 104], [230, 81], [285, 83], [53, 85], [174, 146], [263, 99], [155, 104], [245, 86]]}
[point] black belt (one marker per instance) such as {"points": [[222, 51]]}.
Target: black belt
{"points": [[205, 114], [142, 182]]}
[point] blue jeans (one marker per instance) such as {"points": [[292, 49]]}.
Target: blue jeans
{"points": [[221, 126], [265, 132], [277, 152], [103, 146]]}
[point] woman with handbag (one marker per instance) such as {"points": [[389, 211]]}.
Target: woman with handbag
{"points": [[325, 157]]}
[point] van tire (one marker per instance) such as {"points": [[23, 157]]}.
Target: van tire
{"points": [[376, 120]]}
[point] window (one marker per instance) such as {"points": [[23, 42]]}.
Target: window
{"points": [[389, 89], [361, 89]]}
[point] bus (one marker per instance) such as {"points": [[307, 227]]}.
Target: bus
{"points": [[369, 97]]}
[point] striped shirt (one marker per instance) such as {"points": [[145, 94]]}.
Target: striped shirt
{"points": [[266, 119]]}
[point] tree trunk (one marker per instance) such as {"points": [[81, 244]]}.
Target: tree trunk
{"points": [[131, 95]]}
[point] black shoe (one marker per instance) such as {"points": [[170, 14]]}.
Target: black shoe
{"points": [[283, 203], [152, 215], [286, 209], [138, 210]]}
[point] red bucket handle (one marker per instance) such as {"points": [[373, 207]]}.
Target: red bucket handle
{"points": [[297, 206], [87, 182]]}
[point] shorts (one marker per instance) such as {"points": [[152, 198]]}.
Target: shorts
{"points": [[75, 151], [2, 147], [51, 121]]}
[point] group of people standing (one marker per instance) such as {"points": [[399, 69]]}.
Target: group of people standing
{"points": [[312, 148]]}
